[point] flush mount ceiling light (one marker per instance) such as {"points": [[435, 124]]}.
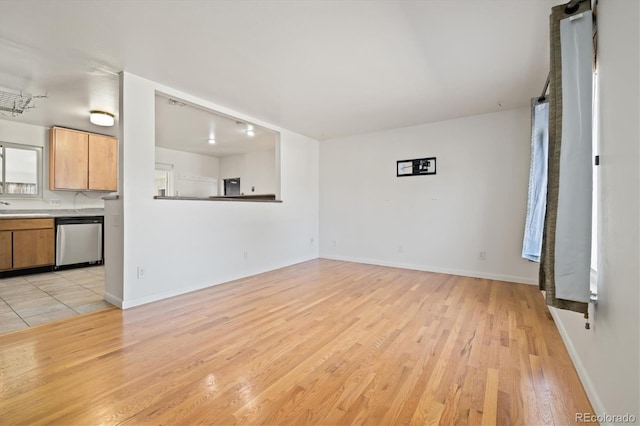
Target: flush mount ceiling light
{"points": [[100, 118], [212, 141]]}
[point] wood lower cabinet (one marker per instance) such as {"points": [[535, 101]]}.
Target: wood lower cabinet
{"points": [[26, 243], [82, 161], [34, 247], [6, 250]]}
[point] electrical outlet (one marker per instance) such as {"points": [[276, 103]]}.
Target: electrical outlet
{"points": [[246, 255], [482, 255], [311, 240], [400, 249], [333, 243], [141, 272], [55, 203]]}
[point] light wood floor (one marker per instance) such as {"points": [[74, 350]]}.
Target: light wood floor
{"points": [[322, 342]]}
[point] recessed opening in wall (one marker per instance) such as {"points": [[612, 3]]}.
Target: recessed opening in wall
{"points": [[206, 148]]}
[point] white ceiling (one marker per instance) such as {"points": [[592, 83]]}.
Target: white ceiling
{"points": [[191, 127], [320, 68]]}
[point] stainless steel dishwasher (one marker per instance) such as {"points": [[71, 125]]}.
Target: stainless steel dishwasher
{"points": [[79, 240]]}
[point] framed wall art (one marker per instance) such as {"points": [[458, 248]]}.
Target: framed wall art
{"points": [[417, 167]]}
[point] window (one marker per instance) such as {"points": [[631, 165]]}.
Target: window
{"points": [[20, 171]]}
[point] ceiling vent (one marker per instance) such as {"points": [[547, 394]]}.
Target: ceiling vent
{"points": [[14, 103]]}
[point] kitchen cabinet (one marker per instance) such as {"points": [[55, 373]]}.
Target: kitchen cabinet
{"points": [[103, 163], [6, 250], [26, 243], [82, 161]]}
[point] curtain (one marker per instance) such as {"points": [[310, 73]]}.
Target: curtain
{"points": [[565, 262], [537, 197]]}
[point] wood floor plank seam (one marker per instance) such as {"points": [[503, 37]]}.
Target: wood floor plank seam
{"points": [[321, 342]]}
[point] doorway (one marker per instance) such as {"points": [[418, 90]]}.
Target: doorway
{"points": [[232, 186]]}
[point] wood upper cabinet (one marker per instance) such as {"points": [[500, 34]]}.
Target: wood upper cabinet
{"points": [[26, 243], [103, 163], [68, 159], [82, 161]]}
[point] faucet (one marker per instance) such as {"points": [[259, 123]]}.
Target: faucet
{"points": [[5, 203]]}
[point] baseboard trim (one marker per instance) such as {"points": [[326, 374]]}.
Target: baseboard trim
{"points": [[426, 268], [126, 304], [116, 301], [589, 388], [165, 295]]}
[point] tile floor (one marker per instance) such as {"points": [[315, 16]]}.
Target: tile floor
{"points": [[30, 300]]}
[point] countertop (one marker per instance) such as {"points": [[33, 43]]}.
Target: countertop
{"points": [[260, 198], [27, 214]]}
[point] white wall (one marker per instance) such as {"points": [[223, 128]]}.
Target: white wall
{"points": [[256, 170], [607, 356], [476, 201], [192, 165], [187, 245], [261, 173], [28, 134], [113, 253]]}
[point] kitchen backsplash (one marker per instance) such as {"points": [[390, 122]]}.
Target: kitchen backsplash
{"points": [[56, 200]]}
